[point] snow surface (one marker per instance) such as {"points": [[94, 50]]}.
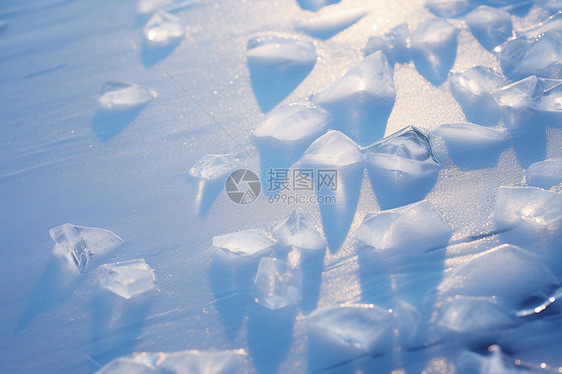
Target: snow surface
{"points": [[107, 106]]}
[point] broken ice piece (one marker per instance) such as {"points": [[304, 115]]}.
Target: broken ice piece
{"points": [[474, 320], [163, 30], [491, 26], [450, 8], [214, 166], [78, 243], [326, 26], [190, 361], [314, 5], [362, 329], [537, 51], [338, 163], [286, 132], [276, 284], [472, 146], [247, 242], [545, 174], [511, 275], [123, 96], [395, 44], [434, 49], [127, 278], [277, 64], [151, 6], [362, 100], [472, 363], [402, 167], [297, 231], [404, 235], [472, 89]]}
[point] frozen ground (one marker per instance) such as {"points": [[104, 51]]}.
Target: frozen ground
{"points": [[122, 119]]}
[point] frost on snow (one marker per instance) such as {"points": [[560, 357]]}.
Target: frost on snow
{"points": [[78, 244], [127, 278]]}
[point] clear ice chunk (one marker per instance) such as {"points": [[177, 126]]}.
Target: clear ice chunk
{"points": [[491, 26], [163, 30], [297, 231], [78, 243], [127, 278], [315, 5], [326, 26], [395, 44], [495, 363], [333, 149], [402, 167], [404, 234], [537, 51], [472, 146], [434, 49], [276, 284], [124, 96], [150, 6], [450, 8], [213, 166], [277, 64], [361, 101], [473, 91], [246, 243], [292, 125], [511, 275], [190, 361], [474, 319], [545, 174], [361, 328]]}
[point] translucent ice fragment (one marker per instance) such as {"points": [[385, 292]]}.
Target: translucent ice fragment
{"points": [[127, 278], [277, 64], [532, 217], [297, 231], [495, 363], [314, 5], [326, 26], [404, 234], [537, 51], [276, 284], [123, 96], [472, 89], [402, 167], [151, 6], [78, 243], [214, 166], [247, 242], [508, 273], [450, 8], [472, 146], [395, 44], [491, 26], [545, 174], [191, 361], [361, 101], [362, 328], [338, 164], [163, 30], [434, 49], [474, 320]]}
